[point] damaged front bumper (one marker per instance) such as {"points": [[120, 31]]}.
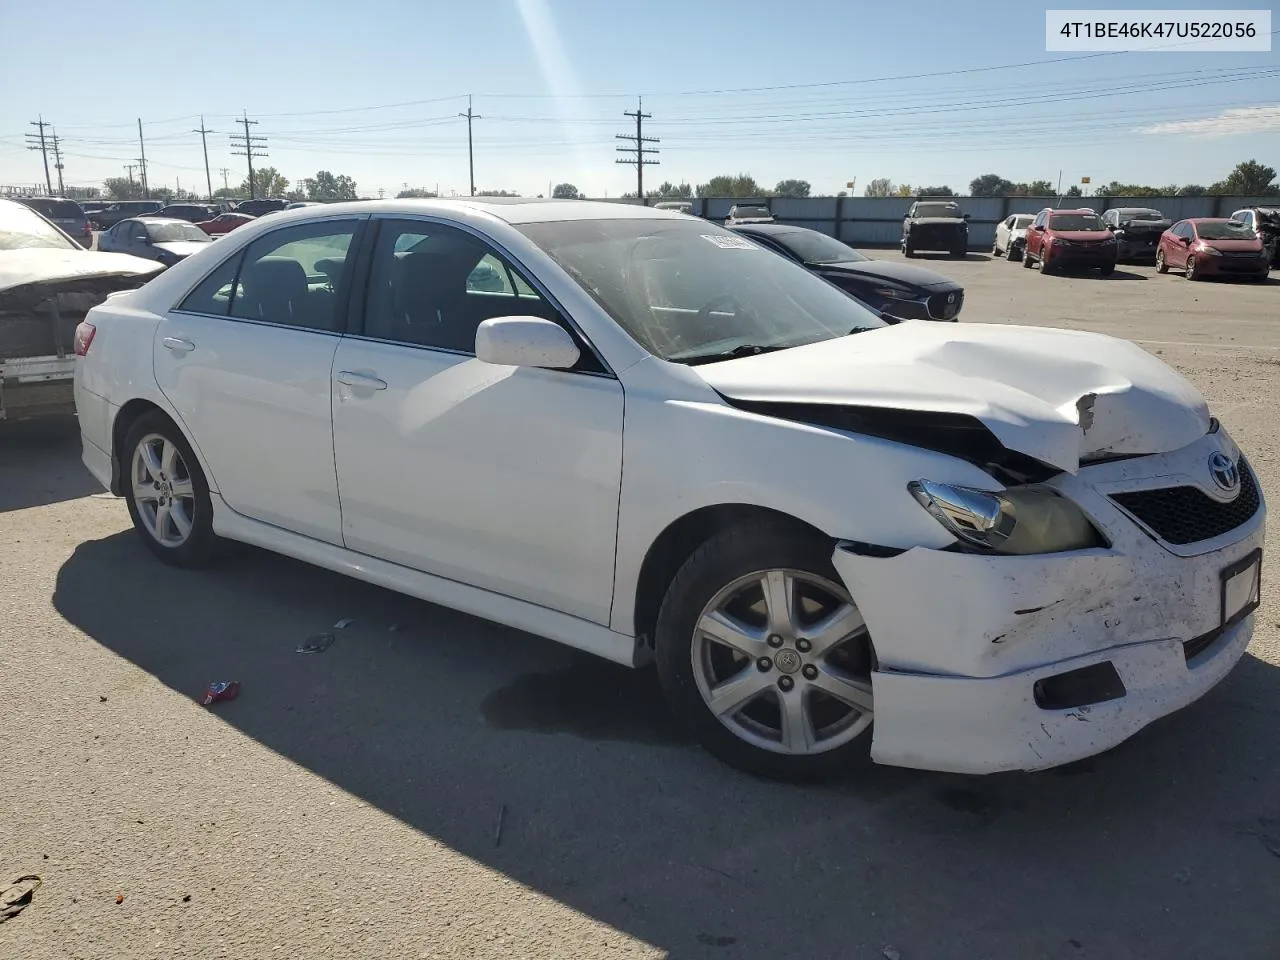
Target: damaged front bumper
{"points": [[972, 649]]}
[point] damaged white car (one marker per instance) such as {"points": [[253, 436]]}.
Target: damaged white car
{"points": [[964, 547]]}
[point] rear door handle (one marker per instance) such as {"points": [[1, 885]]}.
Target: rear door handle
{"points": [[349, 378], [178, 345]]}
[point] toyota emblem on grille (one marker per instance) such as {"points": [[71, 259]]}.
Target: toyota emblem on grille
{"points": [[1225, 473]]}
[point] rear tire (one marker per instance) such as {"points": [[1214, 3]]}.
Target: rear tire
{"points": [[779, 725], [167, 493], [908, 251]]}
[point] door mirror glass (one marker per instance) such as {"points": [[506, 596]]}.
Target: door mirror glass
{"points": [[1038, 228], [525, 342]]}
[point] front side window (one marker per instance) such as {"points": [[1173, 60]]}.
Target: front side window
{"points": [[690, 291], [296, 276], [432, 285]]}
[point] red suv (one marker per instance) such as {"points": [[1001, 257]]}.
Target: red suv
{"points": [[1061, 239], [1209, 247]]}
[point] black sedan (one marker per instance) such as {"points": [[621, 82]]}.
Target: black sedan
{"points": [[898, 291]]}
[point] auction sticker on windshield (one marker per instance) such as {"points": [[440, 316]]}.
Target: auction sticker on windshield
{"points": [[1168, 31], [729, 243]]}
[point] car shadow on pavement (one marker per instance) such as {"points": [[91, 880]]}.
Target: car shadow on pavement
{"points": [[971, 256], [453, 724], [40, 463]]}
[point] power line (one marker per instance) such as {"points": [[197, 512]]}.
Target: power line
{"points": [[637, 152], [471, 157], [37, 142], [204, 143], [248, 147]]}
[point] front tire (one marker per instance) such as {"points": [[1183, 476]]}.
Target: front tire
{"points": [[1107, 269], [1012, 252], [167, 493], [762, 653], [1192, 273], [1161, 266]]}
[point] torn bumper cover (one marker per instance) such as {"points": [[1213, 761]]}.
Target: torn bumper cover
{"points": [[972, 649]]}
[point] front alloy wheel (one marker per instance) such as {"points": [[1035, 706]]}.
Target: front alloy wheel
{"points": [[764, 654]]}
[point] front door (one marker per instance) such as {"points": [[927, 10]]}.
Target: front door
{"points": [[247, 360], [500, 477]]}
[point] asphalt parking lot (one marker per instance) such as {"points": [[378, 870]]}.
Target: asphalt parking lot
{"points": [[433, 785]]}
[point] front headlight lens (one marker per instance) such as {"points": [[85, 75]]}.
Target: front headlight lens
{"points": [[1211, 251], [1019, 520]]}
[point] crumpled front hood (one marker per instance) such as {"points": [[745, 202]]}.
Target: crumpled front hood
{"points": [[38, 265], [1060, 396]]}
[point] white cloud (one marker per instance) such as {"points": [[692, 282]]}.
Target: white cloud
{"points": [[1225, 124]]}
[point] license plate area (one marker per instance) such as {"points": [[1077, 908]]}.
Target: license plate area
{"points": [[1241, 588]]}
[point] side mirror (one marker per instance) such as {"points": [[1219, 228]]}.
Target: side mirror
{"points": [[1186, 241], [1038, 228], [964, 216], [525, 342]]}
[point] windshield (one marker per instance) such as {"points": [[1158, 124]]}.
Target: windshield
{"points": [[1021, 223], [937, 210], [739, 213], [1141, 215], [1075, 221], [686, 289], [21, 229], [169, 232], [814, 247], [1225, 230]]}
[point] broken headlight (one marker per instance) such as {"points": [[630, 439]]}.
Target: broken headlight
{"points": [[1018, 520]]}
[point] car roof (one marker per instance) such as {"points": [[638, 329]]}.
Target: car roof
{"points": [[775, 229], [1208, 220], [151, 220], [512, 210]]}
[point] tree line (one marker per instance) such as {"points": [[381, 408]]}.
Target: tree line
{"points": [[267, 182]]}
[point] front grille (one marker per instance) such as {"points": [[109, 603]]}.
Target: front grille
{"points": [[1252, 254], [1182, 515], [940, 309]]}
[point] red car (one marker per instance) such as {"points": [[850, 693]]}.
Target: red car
{"points": [[224, 223], [1062, 239], [1212, 247]]}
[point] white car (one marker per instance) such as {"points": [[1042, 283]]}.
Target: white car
{"points": [[1011, 236], [654, 439]]}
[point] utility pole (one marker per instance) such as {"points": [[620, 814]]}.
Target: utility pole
{"points": [[471, 157], [57, 162], [638, 151], [208, 180], [130, 167], [248, 147], [224, 171], [142, 162], [37, 142]]}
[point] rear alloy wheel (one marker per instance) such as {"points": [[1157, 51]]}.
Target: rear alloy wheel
{"points": [[1191, 269], [995, 250], [764, 655], [167, 495], [1161, 266]]}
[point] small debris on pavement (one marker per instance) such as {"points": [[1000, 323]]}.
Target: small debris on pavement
{"points": [[17, 896], [344, 623], [119, 898], [221, 690], [891, 953], [394, 628], [502, 816], [316, 643], [101, 698], [186, 898]]}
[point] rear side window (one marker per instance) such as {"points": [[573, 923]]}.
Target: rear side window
{"points": [[56, 209], [297, 276], [216, 291]]}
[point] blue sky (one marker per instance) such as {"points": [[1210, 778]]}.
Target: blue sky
{"points": [[551, 79]]}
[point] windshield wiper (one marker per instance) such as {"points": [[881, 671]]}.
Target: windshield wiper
{"points": [[742, 350]]}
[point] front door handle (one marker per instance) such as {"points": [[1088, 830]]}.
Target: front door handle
{"points": [[178, 345], [349, 378]]}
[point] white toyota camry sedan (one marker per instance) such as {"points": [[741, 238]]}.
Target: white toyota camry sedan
{"points": [[963, 547]]}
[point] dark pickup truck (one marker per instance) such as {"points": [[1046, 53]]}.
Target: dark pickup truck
{"points": [[935, 225]]}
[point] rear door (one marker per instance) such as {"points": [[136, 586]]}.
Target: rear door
{"points": [[246, 360]]}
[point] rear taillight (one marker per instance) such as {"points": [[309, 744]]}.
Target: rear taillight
{"points": [[84, 337]]}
